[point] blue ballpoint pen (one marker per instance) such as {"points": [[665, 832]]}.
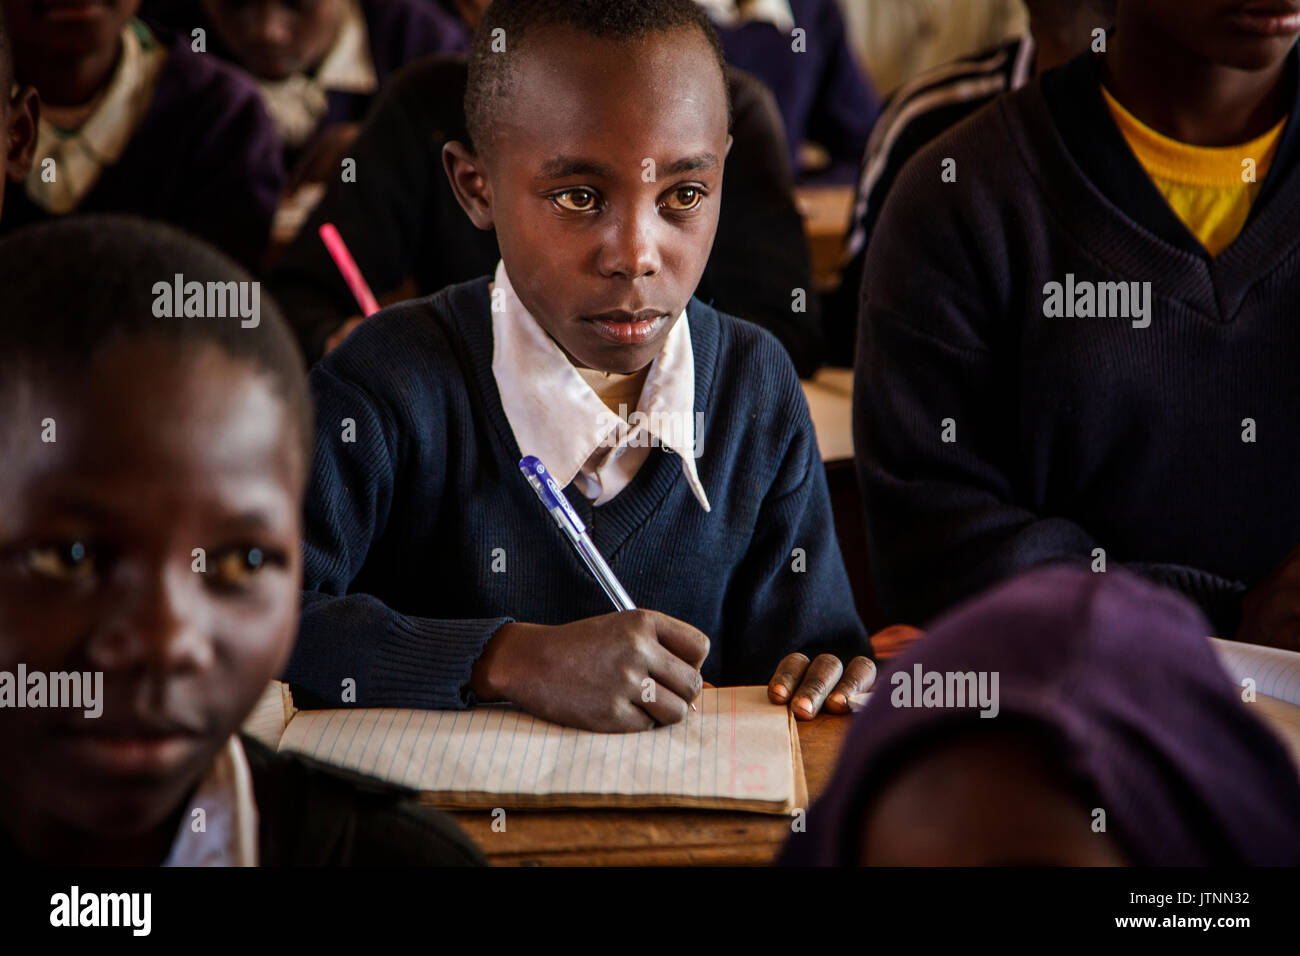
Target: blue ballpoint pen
{"points": [[558, 505]]}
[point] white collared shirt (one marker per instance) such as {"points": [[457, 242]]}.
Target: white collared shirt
{"points": [[80, 155], [225, 833], [733, 12], [299, 102], [558, 417]]}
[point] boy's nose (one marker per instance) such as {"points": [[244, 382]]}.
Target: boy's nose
{"points": [[272, 25], [631, 248], [163, 627]]}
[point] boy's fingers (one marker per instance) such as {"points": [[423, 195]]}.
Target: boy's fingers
{"points": [[787, 677], [674, 674], [818, 680], [858, 677], [688, 643], [663, 705]]}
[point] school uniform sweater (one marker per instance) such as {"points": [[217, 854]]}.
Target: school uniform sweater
{"points": [[422, 537], [205, 158], [401, 219], [1173, 448]]}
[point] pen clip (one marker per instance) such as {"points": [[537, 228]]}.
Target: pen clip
{"points": [[549, 491]]}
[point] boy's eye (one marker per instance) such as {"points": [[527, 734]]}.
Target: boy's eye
{"points": [[238, 565], [65, 561], [577, 200], [684, 197]]}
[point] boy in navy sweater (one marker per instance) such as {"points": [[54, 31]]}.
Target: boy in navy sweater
{"points": [[434, 577], [1085, 346]]}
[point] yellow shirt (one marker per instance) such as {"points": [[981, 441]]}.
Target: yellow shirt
{"points": [[1209, 188]]}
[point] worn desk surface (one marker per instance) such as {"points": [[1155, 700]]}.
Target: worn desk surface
{"points": [[665, 837]]}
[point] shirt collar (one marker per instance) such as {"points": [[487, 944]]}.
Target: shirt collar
{"points": [[556, 416], [225, 832]]}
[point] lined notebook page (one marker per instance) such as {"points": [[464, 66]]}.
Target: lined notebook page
{"points": [[739, 750], [1276, 674]]}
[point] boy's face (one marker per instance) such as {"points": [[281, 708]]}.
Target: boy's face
{"points": [[1242, 34], [66, 28], [276, 38], [154, 456], [603, 179]]}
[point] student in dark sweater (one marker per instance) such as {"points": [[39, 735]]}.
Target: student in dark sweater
{"points": [[401, 219], [824, 95], [18, 114], [1150, 424], [133, 121], [318, 66], [434, 576], [150, 549]]}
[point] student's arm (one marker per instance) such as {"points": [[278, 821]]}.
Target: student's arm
{"points": [[946, 518], [395, 659], [760, 256], [791, 593]]}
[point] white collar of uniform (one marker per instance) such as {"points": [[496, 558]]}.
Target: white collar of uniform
{"points": [[81, 156], [556, 416], [229, 819], [733, 12]]}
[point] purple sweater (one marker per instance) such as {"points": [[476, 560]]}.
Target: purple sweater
{"points": [[205, 158]]}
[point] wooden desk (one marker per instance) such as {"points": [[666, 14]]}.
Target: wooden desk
{"points": [[665, 837]]}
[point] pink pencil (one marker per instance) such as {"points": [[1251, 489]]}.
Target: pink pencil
{"points": [[347, 266]]}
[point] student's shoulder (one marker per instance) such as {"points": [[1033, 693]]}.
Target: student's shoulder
{"points": [[198, 81], [748, 369], [312, 814], [402, 29], [416, 348]]}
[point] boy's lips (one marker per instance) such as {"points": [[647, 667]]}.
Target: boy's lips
{"points": [[1267, 19], [72, 9], [149, 749], [628, 328]]}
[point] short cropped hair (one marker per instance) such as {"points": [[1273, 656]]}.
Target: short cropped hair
{"points": [[70, 288], [491, 73]]}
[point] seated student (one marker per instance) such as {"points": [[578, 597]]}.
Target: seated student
{"points": [[133, 122], [1085, 346], [132, 439], [401, 219], [825, 97], [930, 104], [434, 576], [19, 111], [1115, 739], [317, 63]]}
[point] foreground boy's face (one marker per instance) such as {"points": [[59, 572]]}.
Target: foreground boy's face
{"points": [[155, 455], [603, 256], [277, 38], [65, 27]]}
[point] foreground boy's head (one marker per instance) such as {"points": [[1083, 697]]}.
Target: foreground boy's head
{"points": [[130, 442], [274, 39], [599, 132], [18, 113], [1113, 736]]}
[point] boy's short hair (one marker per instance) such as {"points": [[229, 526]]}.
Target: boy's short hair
{"points": [[72, 287], [490, 72]]}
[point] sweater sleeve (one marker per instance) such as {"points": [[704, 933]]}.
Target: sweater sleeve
{"points": [[791, 591], [395, 659]]}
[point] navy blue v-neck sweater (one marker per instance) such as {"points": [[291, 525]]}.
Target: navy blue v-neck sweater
{"points": [[422, 537], [1173, 449]]}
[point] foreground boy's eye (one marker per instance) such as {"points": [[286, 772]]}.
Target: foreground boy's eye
{"points": [[238, 565], [65, 561], [684, 198], [577, 200]]}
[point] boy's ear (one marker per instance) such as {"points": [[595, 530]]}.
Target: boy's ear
{"points": [[469, 183], [20, 133]]}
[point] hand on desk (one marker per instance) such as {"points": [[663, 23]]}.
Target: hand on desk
{"points": [[809, 685], [1270, 612], [623, 671]]}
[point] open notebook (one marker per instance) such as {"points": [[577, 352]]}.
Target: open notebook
{"points": [[738, 752], [1276, 674]]}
